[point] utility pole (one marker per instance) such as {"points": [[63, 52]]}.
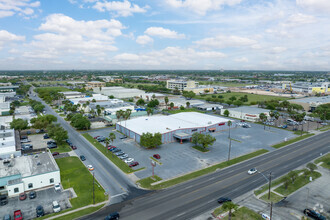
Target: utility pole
{"points": [[229, 149], [93, 189], [307, 197], [271, 210], [270, 183]]}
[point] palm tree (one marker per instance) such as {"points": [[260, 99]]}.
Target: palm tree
{"points": [[149, 111], [119, 114], [271, 114], [263, 118], [126, 116], [229, 123], [229, 206], [276, 116], [112, 137], [166, 101], [107, 141]]}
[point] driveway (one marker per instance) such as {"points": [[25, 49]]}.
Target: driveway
{"points": [[44, 197]]}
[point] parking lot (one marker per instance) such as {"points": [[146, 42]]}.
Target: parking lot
{"points": [[178, 159], [38, 141], [44, 197]]}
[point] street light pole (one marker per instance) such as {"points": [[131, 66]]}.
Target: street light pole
{"points": [[93, 189], [270, 183]]}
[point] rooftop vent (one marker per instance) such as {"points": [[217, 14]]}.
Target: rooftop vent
{"points": [[39, 163]]}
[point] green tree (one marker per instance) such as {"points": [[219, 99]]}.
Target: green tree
{"points": [[111, 97], [233, 98], [112, 137], [149, 140], [58, 133], [238, 103], [181, 107], [140, 102], [188, 104], [277, 116], [206, 140], [226, 113], [195, 138], [306, 173], [311, 167], [19, 124], [107, 142], [166, 101], [149, 111], [229, 206], [171, 105], [176, 91], [80, 122], [286, 182], [188, 95], [292, 175]]}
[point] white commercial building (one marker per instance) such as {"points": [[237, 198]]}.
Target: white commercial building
{"points": [[27, 173], [181, 85], [247, 113], [209, 107], [72, 94], [172, 127], [110, 110], [96, 97], [4, 108], [8, 145], [4, 95], [119, 92]]}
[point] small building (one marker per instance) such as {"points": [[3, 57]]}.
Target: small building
{"points": [[200, 90], [209, 107], [172, 127], [96, 97], [105, 104], [119, 92], [247, 113], [95, 84], [180, 84], [10, 145], [112, 79], [30, 172], [4, 108], [311, 103], [72, 94], [117, 107]]}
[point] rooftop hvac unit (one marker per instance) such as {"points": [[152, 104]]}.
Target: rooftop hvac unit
{"points": [[210, 122]]}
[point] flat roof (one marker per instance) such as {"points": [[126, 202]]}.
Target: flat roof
{"points": [[7, 141], [29, 165], [322, 99], [164, 124], [249, 110]]}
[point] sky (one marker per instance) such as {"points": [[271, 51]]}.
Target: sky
{"points": [[165, 35]]}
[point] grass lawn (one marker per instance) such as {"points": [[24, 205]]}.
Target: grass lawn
{"points": [[291, 141], [246, 214], [273, 197], [201, 149], [184, 110], [218, 211], [61, 148], [326, 161], [75, 174], [146, 182], [251, 97], [274, 183], [80, 213], [118, 162], [62, 115], [324, 128], [201, 172], [298, 183]]}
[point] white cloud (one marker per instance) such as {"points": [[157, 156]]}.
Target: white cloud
{"points": [[278, 49], [315, 5], [22, 7], [201, 7], [222, 41], [163, 33], [144, 39], [124, 8], [6, 37], [299, 19], [241, 60]]}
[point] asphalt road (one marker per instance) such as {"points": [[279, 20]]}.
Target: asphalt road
{"points": [[113, 180], [195, 197]]}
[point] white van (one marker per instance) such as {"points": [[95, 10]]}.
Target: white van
{"points": [[56, 206]]}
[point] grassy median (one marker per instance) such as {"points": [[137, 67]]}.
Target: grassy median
{"points": [[291, 141], [326, 161], [202, 172], [246, 214]]}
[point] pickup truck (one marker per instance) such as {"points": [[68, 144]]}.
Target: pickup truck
{"points": [[18, 215]]}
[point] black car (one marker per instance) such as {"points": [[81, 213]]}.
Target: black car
{"points": [[51, 142], [46, 136], [114, 215], [82, 157], [40, 211], [124, 137], [32, 194], [3, 200], [313, 214], [50, 146], [224, 199]]}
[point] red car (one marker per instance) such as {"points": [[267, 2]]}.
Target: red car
{"points": [[22, 196], [55, 153], [73, 147], [157, 156], [133, 164], [110, 147], [96, 137], [18, 215]]}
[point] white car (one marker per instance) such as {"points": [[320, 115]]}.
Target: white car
{"points": [[123, 156], [252, 171], [56, 206], [129, 160], [57, 187]]}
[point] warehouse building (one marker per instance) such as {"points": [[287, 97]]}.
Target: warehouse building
{"points": [[119, 92], [96, 97], [72, 94], [176, 127], [310, 103], [247, 113]]}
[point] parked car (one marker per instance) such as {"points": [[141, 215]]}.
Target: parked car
{"points": [[96, 137], [3, 200], [25, 140], [68, 142], [246, 126], [112, 216], [22, 196], [113, 149], [18, 215], [116, 150], [124, 156], [265, 216], [55, 153], [129, 160], [7, 217], [46, 136], [73, 147], [157, 156], [32, 194], [40, 211], [224, 199], [56, 206], [124, 137], [82, 158], [38, 131], [100, 139], [313, 214], [57, 187], [120, 153], [133, 164], [50, 146], [90, 167], [51, 142], [252, 171]]}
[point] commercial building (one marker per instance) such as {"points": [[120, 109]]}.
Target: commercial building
{"points": [[247, 113], [117, 107], [310, 88], [105, 104], [95, 84], [96, 97], [181, 85], [27, 173], [172, 127], [5, 95], [119, 92], [200, 89], [182, 102], [310, 103], [4, 108], [209, 107], [10, 145], [8, 88], [72, 94]]}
